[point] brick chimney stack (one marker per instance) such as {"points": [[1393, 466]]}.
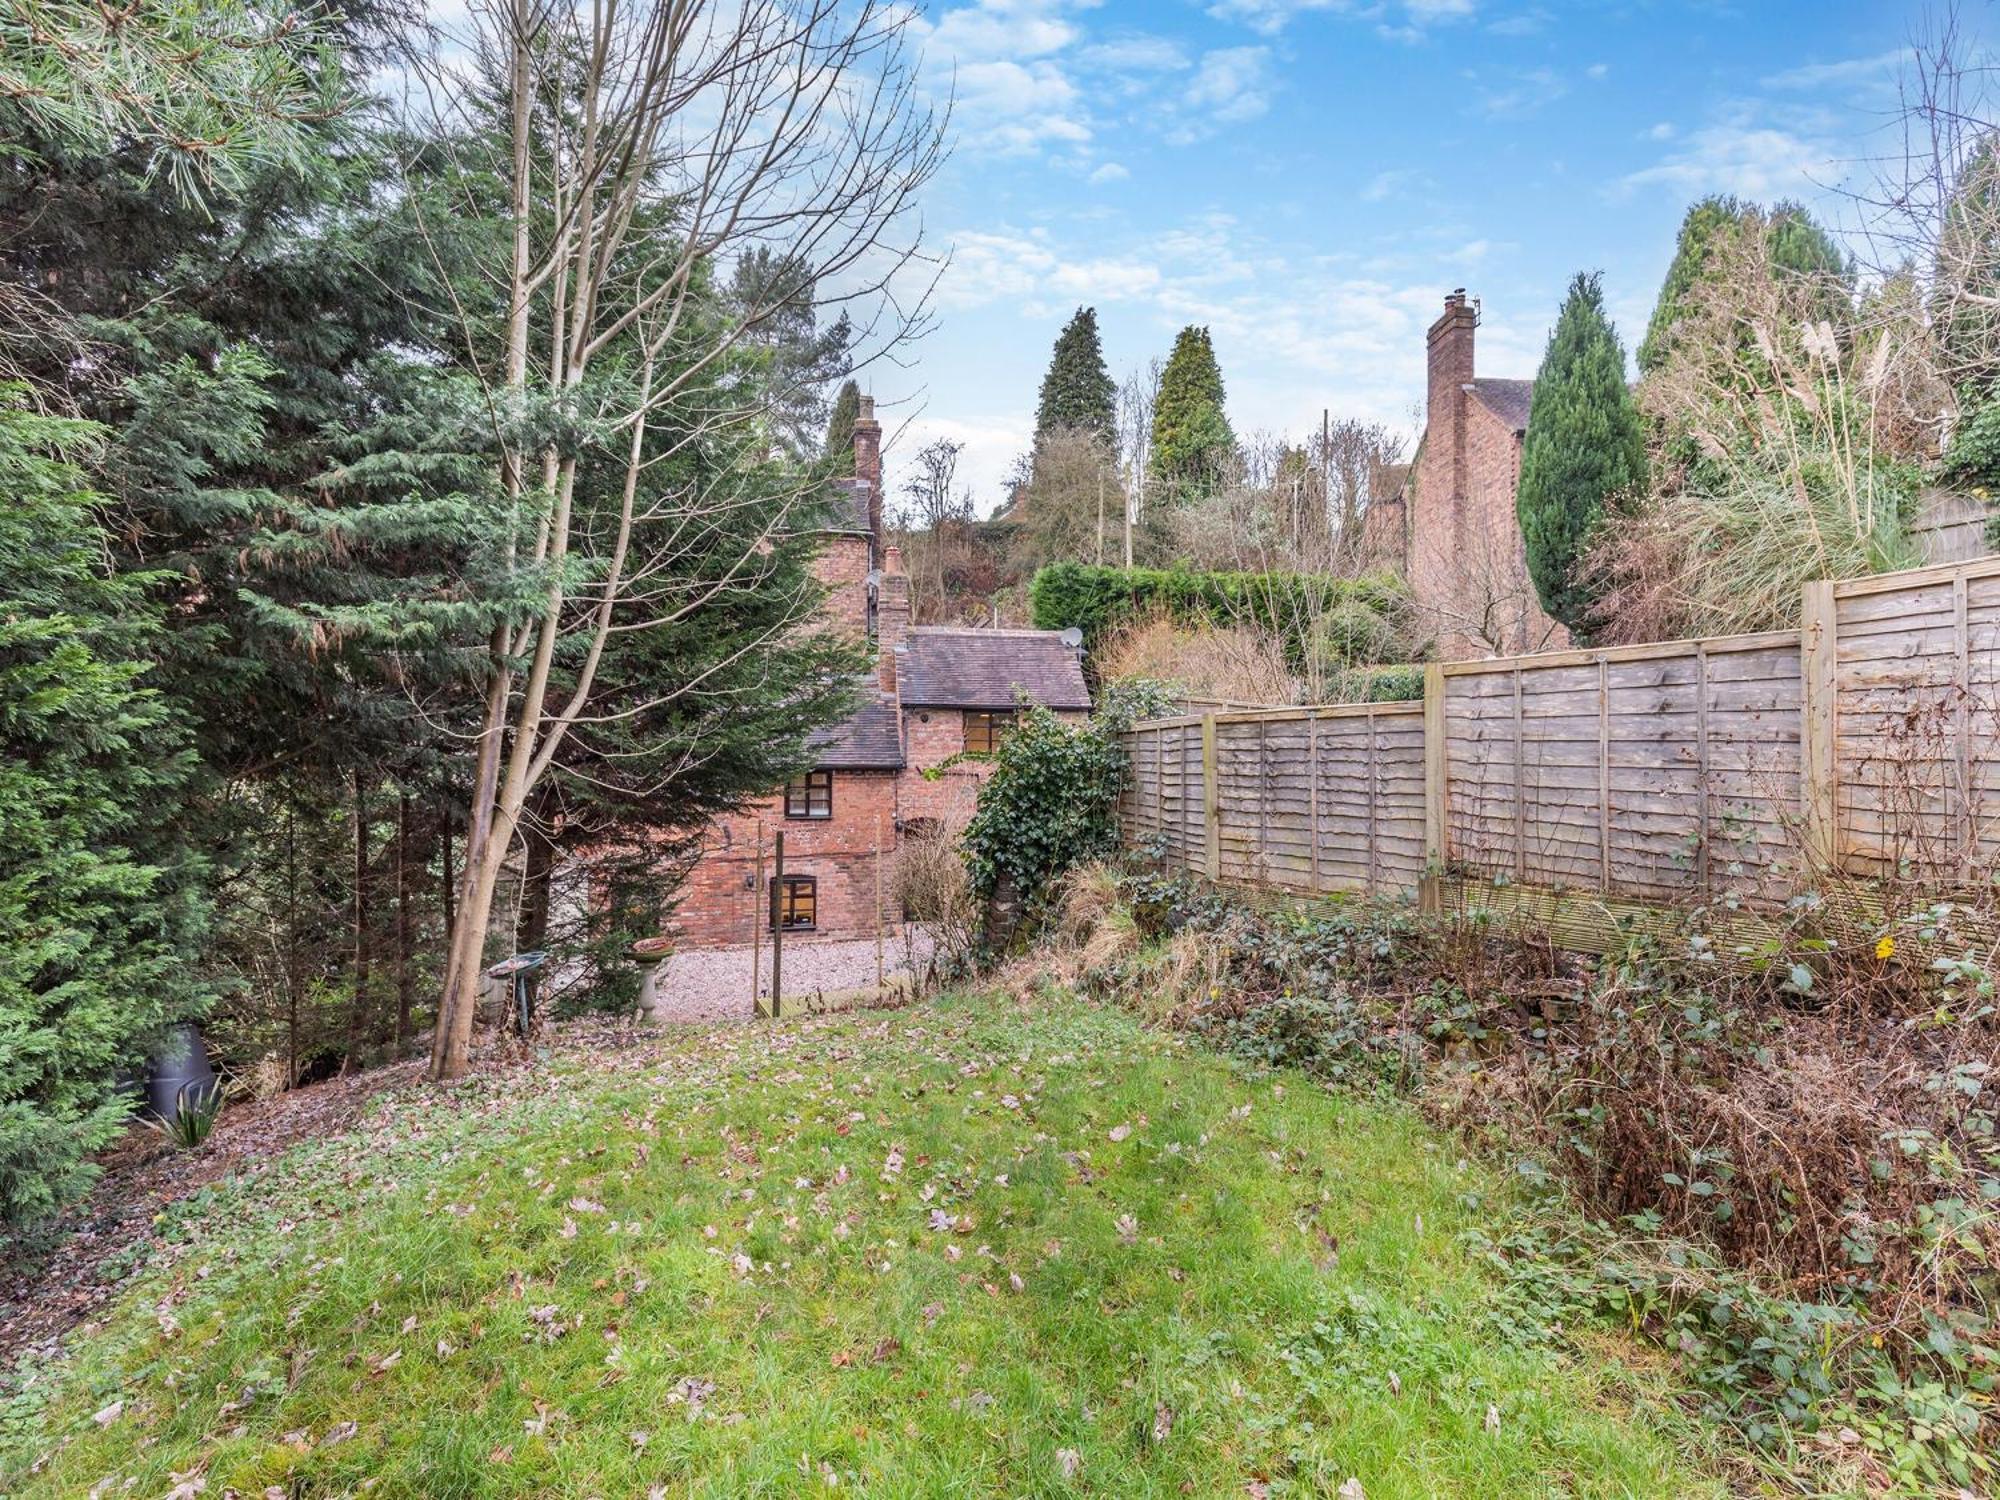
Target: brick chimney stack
{"points": [[868, 464], [1450, 372], [892, 614]]}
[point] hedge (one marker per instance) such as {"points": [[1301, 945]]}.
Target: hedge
{"points": [[1097, 600]]}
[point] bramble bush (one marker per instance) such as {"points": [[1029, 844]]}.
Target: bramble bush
{"points": [[1790, 1158]]}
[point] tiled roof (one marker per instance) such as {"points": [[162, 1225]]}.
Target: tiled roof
{"points": [[852, 513], [1508, 400], [870, 740], [945, 667]]}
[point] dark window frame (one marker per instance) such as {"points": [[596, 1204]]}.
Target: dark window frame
{"points": [[996, 724], [785, 903], [802, 791]]}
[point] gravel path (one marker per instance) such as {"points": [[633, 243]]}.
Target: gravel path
{"points": [[713, 984]]}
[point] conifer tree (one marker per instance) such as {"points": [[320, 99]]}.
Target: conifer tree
{"points": [[1192, 439], [100, 920], [1584, 445], [1798, 244], [1078, 393], [839, 446]]}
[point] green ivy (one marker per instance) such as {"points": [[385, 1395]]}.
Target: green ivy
{"points": [[1050, 804]]}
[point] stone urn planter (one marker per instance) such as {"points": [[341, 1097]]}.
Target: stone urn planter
{"points": [[651, 954]]}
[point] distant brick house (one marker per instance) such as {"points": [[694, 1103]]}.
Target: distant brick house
{"points": [[940, 700], [1451, 529]]}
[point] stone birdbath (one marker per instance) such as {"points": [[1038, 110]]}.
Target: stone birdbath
{"points": [[651, 954]]}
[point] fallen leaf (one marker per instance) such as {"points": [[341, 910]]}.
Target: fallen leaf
{"points": [[1119, 1132], [1163, 1422], [1068, 1462], [1492, 1417], [1352, 1491], [339, 1433], [109, 1414]]}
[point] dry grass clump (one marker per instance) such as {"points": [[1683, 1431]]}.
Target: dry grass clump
{"points": [[935, 891], [1216, 663], [1787, 430]]}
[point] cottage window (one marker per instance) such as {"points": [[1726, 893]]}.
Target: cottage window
{"points": [[985, 730], [795, 903], [810, 795]]}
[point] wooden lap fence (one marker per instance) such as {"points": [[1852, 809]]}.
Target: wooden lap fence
{"points": [[1699, 771]]}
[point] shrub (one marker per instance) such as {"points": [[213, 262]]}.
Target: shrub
{"points": [[1309, 612], [1051, 803], [194, 1119]]}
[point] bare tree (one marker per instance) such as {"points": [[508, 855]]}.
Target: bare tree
{"points": [[1354, 459], [646, 147], [1136, 399], [937, 517]]}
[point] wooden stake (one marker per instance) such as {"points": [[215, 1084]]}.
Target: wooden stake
{"points": [[777, 924], [1211, 801], [757, 925]]}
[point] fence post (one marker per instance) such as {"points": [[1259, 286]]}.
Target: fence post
{"points": [[1437, 834], [1312, 792], [1211, 801], [1820, 683]]}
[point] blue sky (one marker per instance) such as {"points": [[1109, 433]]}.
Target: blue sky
{"points": [[1309, 177]]}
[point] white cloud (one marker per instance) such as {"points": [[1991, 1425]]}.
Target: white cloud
{"points": [[1002, 62], [1517, 95], [1664, 131], [1111, 171], [1524, 23], [1392, 184], [1231, 85], [1880, 69], [987, 266], [1272, 16], [1137, 53], [1597, 70], [1015, 107], [1748, 159]]}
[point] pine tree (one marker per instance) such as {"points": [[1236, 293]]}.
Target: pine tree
{"points": [[1078, 393], [839, 445], [1192, 440], [1798, 244], [1584, 445], [100, 917]]}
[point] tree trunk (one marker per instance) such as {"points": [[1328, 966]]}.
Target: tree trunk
{"points": [[447, 875], [531, 931], [405, 975], [358, 1007], [293, 980]]}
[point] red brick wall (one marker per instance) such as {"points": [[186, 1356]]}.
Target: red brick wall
{"points": [[842, 565], [1468, 567], [717, 906]]}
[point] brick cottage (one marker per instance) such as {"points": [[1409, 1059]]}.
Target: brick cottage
{"points": [[1451, 529], [939, 702]]}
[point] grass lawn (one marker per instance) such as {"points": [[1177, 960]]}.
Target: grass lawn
{"points": [[966, 1249]]}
